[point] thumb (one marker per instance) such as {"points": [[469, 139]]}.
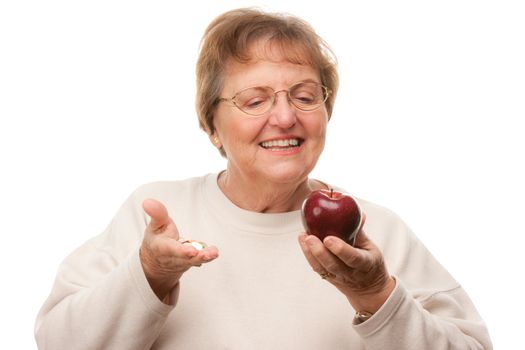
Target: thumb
{"points": [[158, 213], [361, 239]]}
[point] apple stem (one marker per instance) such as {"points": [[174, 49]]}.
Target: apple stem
{"points": [[331, 193]]}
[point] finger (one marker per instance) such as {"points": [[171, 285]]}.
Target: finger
{"points": [[198, 255], [162, 246], [350, 256], [363, 242], [180, 257], [363, 220], [204, 256], [312, 260], [188, 256], [158, 214], [361, 225], [210, 253], [324, 260]]}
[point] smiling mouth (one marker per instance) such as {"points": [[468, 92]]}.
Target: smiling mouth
{"points": [[281, 145]]}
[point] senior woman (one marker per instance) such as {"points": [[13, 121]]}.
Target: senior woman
{"points": [[266, 86]]}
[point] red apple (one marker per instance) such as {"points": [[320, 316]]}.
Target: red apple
{"points": [[331, 213]]}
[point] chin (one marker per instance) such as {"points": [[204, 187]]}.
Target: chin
{"points": [[286, 175]]}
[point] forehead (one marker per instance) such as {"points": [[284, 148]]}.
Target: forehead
{"points": [[268, 64], [270, 49]]}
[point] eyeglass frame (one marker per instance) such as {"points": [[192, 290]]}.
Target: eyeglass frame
{"points": [[326, 94]]}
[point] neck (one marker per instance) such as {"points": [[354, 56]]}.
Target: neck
{"points": [[265, 196]]}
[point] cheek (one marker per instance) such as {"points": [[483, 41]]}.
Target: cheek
{"points": [[317, 134], [237, 132], [317, 127]]}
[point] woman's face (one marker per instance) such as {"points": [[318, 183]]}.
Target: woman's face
{"points": [[284, 144]]}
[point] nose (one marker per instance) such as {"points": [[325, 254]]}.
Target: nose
{"points": [[282, 113]]}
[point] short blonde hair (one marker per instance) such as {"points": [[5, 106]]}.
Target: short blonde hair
{"points": [[230, 36]]}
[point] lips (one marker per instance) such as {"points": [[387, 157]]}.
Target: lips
{"points": [[281, 144]]}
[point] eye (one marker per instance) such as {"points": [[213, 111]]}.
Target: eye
{"points": [[252, 99], [305, 98], [255, 102], [305, 95]]}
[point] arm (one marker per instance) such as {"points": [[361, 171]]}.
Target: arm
{"points": [[102, 297], [442, 320], [107, 305], [424, 308]]}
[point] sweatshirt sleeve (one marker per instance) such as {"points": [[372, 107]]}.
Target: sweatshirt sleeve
{"points": [[101, 298], [428, 309]]}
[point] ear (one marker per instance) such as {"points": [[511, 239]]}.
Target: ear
{"points": [[215, 140]]}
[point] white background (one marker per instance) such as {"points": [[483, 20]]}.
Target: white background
{"points": [[97, 98]]}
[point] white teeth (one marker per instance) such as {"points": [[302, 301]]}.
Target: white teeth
{"points": [[280, 143]]}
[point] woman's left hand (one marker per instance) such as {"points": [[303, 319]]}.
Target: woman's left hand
{"points": [[359, 272]]}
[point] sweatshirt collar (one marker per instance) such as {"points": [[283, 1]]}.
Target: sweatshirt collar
{"points": [[261, 223]]}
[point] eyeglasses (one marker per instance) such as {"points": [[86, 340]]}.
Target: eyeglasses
{"points": [[255, 101]]}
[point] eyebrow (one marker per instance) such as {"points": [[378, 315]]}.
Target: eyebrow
{"points": [[289, 85]]}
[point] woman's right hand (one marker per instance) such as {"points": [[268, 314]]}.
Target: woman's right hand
{"points": [[164, 258]]}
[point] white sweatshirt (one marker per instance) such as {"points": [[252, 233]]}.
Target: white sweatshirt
{"points": [[259, 294]]}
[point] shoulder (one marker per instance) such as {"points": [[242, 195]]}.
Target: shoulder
{"points": [[405, 255], [179, 196], [379, 215], [162, 190], [384, 226], [376, 215]]}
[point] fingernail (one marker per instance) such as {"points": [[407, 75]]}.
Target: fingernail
{"points": [[329, 242]]}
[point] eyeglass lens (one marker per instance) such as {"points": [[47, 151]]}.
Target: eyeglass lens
{"points": [[258, 100]]}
